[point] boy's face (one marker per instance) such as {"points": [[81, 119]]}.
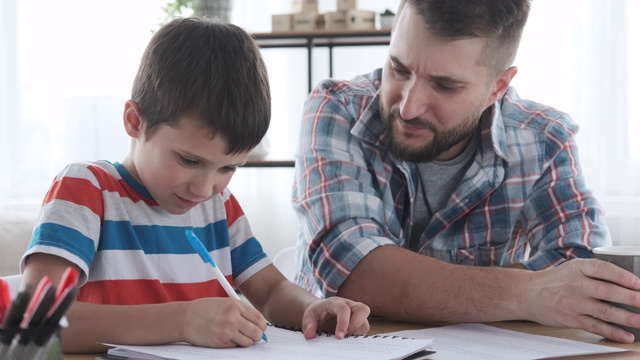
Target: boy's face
{"points": [[181, 165]]}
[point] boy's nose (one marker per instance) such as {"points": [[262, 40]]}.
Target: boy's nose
{"points": [[203, 187]]}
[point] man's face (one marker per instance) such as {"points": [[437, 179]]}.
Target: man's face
{"points": [[433, 91], [181, 165]]}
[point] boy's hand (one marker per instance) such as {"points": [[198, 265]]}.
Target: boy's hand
{"points": [[221, 323], [347, 316]]}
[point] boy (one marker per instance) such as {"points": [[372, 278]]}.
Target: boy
{"points": [[200, 103]]}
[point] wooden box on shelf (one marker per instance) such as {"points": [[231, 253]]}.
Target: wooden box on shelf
{"points": [[305, 6], [281, 22], [346, 5], [361, 20], [335, 20], [306, 21]]}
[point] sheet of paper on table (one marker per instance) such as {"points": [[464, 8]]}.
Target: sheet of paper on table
{"points": [[286, 344], [479, 341]]}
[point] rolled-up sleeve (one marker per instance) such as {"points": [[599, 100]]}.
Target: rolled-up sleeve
{"points": [[566, 221], [336, 194]]}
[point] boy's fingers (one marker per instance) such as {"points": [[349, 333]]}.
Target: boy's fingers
{"points": [[245, 339], [310, 328], [342, 312], [359, 323], [254, 316]]}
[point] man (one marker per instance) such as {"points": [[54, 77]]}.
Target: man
{"points": [[409, 173]]}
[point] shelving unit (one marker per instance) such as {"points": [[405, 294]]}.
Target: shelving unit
{"points": [[269, 163], [327, 39], [311, 40]]}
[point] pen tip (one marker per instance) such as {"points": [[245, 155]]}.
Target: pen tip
{"points": [[264, 337]]}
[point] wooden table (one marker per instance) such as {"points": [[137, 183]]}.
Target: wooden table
{"points": [[383, 326]]}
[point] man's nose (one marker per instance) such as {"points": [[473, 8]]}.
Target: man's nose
{"points": [[415, 100]]}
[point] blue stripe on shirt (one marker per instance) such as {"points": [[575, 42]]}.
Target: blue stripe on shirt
{"points": [[157, 239], [240, 256], [64, 237]]}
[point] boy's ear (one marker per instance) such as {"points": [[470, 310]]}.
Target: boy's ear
{"points": [[501, 84], [132, 119]]}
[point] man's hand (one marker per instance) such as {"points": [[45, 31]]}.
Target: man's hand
{"points": [[576, 295]]}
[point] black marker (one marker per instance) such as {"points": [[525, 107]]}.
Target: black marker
{"points": [[58, 310], [15, 314]]}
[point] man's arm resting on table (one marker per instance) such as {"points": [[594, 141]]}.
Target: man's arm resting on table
{"points": [[413, 287], [403, 285]]}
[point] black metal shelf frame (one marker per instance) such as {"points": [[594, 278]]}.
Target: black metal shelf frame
{"points": [[311, 40]]}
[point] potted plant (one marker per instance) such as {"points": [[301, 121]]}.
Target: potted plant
{"points": [[386, 19], [209, 8]]}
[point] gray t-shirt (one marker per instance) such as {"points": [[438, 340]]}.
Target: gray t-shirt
{"points": [[438, 180]]}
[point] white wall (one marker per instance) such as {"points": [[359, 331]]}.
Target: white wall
{"points": [[264, 194]]}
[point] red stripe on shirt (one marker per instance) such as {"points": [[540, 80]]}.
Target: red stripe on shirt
{"points": [[135, 292], [78, 191], [233, 209], [109, 183]]}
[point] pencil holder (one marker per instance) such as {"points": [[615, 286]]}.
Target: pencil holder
{"points": [[41, 342]]}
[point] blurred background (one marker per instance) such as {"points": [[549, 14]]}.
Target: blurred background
{"points": [[66, 68]]}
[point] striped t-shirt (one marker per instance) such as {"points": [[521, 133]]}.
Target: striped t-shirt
{"points": [[131, 251]]}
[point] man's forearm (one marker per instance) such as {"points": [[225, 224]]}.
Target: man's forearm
{"points": [[403, 285]]}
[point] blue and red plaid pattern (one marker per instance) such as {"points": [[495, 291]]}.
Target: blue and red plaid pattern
{"points": [[523, 200]]}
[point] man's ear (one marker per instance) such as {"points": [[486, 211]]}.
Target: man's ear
{"points": [[501, 84], [132, 119]]}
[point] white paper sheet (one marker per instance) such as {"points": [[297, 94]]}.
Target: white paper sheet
{"points": [[286, 344], [482, 342]]}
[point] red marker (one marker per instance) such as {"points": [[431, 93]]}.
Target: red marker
{"points": [[39, 293], [5, 300], [69, 279]]}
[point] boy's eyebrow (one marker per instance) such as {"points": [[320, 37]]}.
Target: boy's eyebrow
{"points": [[200, 158], [448, 80]]}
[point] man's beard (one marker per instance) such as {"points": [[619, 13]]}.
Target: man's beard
{"points": [[441, 142]]}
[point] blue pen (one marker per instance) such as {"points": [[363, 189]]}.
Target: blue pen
{"points": [[206, 257]]}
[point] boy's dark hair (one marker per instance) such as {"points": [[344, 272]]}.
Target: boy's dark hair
{"points": [[209, 70], [499, 21]]}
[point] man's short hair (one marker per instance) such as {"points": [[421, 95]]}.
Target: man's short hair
{"points": [[499, 21], [209, 70]]}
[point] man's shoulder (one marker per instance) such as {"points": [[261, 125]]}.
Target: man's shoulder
{"points": [[366, 85], [526, 115], [531, 130]]}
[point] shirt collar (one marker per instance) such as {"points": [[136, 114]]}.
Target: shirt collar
{"points": [[369, 126], [497, 135]]}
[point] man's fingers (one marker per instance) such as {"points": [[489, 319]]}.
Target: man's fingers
{"points": [[613, 313], [599, 327], [599, 269]]}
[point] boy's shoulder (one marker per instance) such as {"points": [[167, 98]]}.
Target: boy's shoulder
{"points": [[100, 166], [95, 176]]}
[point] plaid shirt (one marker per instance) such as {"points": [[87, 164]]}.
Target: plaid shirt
{"points": [[522, 200]]}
